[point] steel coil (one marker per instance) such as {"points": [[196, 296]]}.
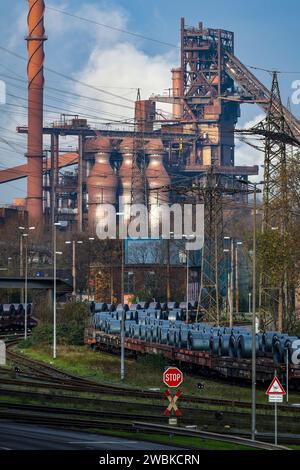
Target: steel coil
{"points": [[143, 332], [135, 307], [113, 326], [148, 335], [99, 307], [135, 331], [225, 344], [163, 335], [172, 336], [215, 346], [155, 334], [292, 345], [198, 341], [233, 342], [183, 338], [278, 348], [172, 305], [267, 341], [244, 346], [127, 328]]}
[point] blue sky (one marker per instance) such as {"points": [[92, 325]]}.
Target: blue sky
{"points": [[266, 35]]}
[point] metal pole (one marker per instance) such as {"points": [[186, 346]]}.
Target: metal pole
{"points": [[168, 271], [237, 280], [231, 283], [54, 293], [89, 271], [26, 287], [249, 295], [253, 408], [74, 267], [187, 286], [80, 183], [122, 271], [275, 404], [21, 268], [287, 375], [123, 346]]}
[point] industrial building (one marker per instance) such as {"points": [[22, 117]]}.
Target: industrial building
{"points": [[140, 162], [206, 92]]}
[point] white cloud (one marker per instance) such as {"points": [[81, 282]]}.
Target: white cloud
{"points": [[96, 55], [126, 67], [247, 155]]}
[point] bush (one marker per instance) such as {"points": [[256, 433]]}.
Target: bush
{"points": [[295, 330], [152, 361], [71, 321]]}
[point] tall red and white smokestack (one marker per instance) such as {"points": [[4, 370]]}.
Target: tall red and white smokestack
{"points": [[35, 72]]}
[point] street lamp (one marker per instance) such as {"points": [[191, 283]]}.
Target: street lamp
{"points": [[237, 276], [231, 251], [253, 381], [187, 278], [55, 225], [226, 250], [91, 239], [73, 243], [122, 371], [120, 214], [25, 236]]}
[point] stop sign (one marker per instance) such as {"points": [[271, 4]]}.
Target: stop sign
{"points": [[172, 377]]}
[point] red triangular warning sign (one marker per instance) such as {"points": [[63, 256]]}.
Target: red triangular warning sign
{"points": [[275, 388]]}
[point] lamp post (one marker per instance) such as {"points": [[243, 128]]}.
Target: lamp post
{"points": [[187, 276], [21, 264], [187, 286], [56, 224], [122, 370], [73, 243], [253, 380], [121, 214], [91, 239], [237, 290], [231, 252], [25, 236]]}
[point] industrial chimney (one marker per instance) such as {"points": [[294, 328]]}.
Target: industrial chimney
{"points": [[35, 72]]}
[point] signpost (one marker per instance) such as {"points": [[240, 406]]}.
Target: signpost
{"points": [[275, 393], [172, 378]]}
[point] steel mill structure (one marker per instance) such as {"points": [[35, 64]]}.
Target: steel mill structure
{"points": [[206, 92]]}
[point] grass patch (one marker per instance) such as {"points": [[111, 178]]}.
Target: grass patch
{"points": [[145, 372], [176, 441]]}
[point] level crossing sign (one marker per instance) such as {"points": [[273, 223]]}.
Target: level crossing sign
{"points": [[275, 391]]}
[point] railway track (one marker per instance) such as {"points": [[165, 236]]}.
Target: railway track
{"points": [[70, 387], [69, 417], [56, 379], [80, 419], [47, 377]]}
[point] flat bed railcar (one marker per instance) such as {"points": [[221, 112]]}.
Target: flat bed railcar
{"points": [[202, 361]]}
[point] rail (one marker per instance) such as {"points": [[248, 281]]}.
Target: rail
{"points": [[207, 435]]}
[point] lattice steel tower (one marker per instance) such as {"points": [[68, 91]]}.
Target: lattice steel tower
{"points": [[274, 300]]}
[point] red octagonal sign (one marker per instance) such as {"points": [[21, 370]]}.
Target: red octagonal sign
{"points": [[172, 377]]}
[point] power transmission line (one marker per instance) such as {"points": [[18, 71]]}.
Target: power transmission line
{"points": [[113, 28]]}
